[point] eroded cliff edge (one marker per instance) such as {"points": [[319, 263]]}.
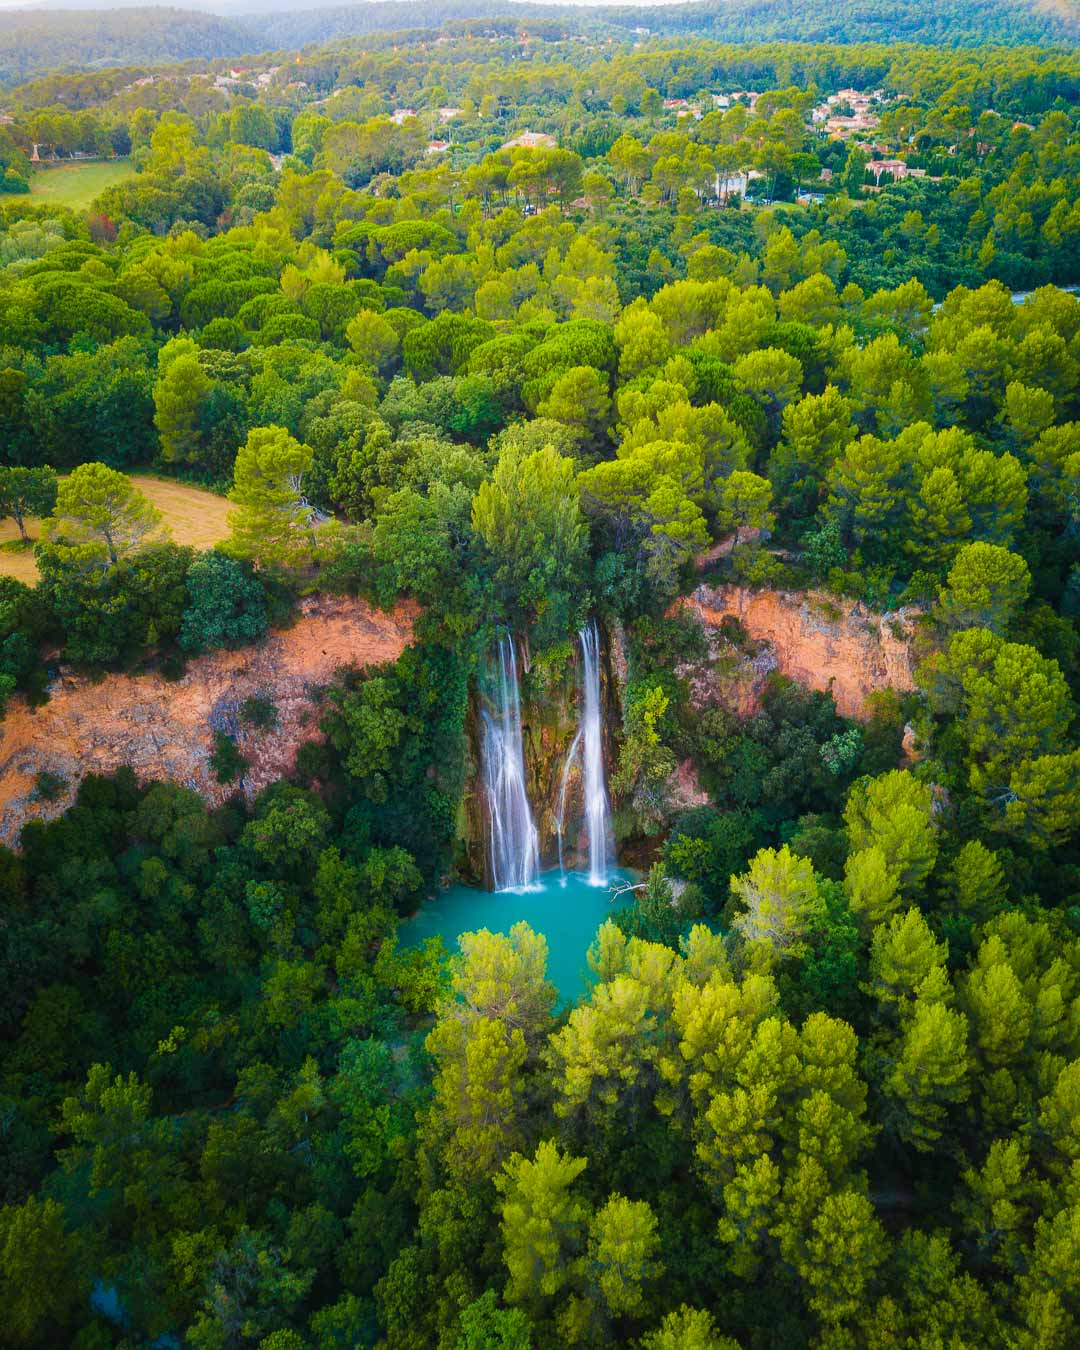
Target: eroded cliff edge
{"points": [[813, 638], [165, 730]]}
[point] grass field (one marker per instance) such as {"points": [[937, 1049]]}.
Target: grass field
{"points": [[193, 515], [76, 185]]}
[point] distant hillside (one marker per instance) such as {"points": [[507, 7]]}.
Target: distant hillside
{"points": [[948, 22], [33, 41]]}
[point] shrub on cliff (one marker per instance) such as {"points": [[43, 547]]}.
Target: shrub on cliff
{"points": [[226, 605], [116, 617]]}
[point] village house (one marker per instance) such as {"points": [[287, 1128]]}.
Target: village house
{"points": [[531, 140], [733, 184], [897, 167], [437, 147], [400, 115], [843, 128]]}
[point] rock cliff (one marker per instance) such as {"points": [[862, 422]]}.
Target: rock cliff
{"points": [[165, 730], [813, 638]]}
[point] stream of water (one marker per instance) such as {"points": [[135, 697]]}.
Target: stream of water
{"points": [[514, 840], [597, 806]]}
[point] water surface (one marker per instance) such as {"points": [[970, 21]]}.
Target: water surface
{"points": [[568, 913]]}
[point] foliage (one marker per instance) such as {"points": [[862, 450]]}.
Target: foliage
{"points": [[592, 358]]}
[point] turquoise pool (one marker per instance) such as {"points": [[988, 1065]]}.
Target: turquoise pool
{"points": [[568, 911]]}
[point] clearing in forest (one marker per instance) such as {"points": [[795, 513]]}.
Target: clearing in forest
{"points": [[76, 183], [193, 515]]}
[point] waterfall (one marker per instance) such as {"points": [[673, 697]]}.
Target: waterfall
{"points": [[597, 808], [515, 843]]}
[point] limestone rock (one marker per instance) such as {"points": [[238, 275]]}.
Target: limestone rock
{"points": [[165, 730]]}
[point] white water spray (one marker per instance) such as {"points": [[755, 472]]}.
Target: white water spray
{"points": [[515, 842], [597, 807]]}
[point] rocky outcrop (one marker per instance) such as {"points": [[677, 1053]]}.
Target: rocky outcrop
{"points": [[165, 730], [813, 638]]}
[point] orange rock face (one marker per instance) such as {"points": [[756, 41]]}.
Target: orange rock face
{"points": [[165, 730], [816, 640]]}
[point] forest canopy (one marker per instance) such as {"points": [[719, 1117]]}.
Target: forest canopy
{"points": [[527, 328]]}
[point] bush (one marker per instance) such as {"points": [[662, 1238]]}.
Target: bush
{"points": [[259, 712], [49, 786], [226, 760], [117, 618], [226, 605]]}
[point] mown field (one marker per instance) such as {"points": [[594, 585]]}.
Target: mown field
{"points": [[193, 515], [76, 185]]}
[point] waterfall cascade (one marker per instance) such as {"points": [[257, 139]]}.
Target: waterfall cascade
{"points": [[597, 806], [588, 746], [515, 842]]}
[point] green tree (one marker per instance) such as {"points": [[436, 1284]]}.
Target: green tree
{"points": [[180, 394], [26, 492], [987, 585], [226, 605], [645, 763], [1026, 414], [931, 1074], [854, 174], [486, 1326], [623, 1247], [486, 1031], [977, 879], [894, 813], [773, 378], [688, 1329], [906, 962], [815, 431], [250, 124], [1013, 704], [745, 499], [1042, 804], [38, 1271], [273, 524], [578, 399], [781, 900], [543, 1223], [100, 519], [846, 1246], [372, 338], [871, 889], [642, 340], [530, 520]]}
